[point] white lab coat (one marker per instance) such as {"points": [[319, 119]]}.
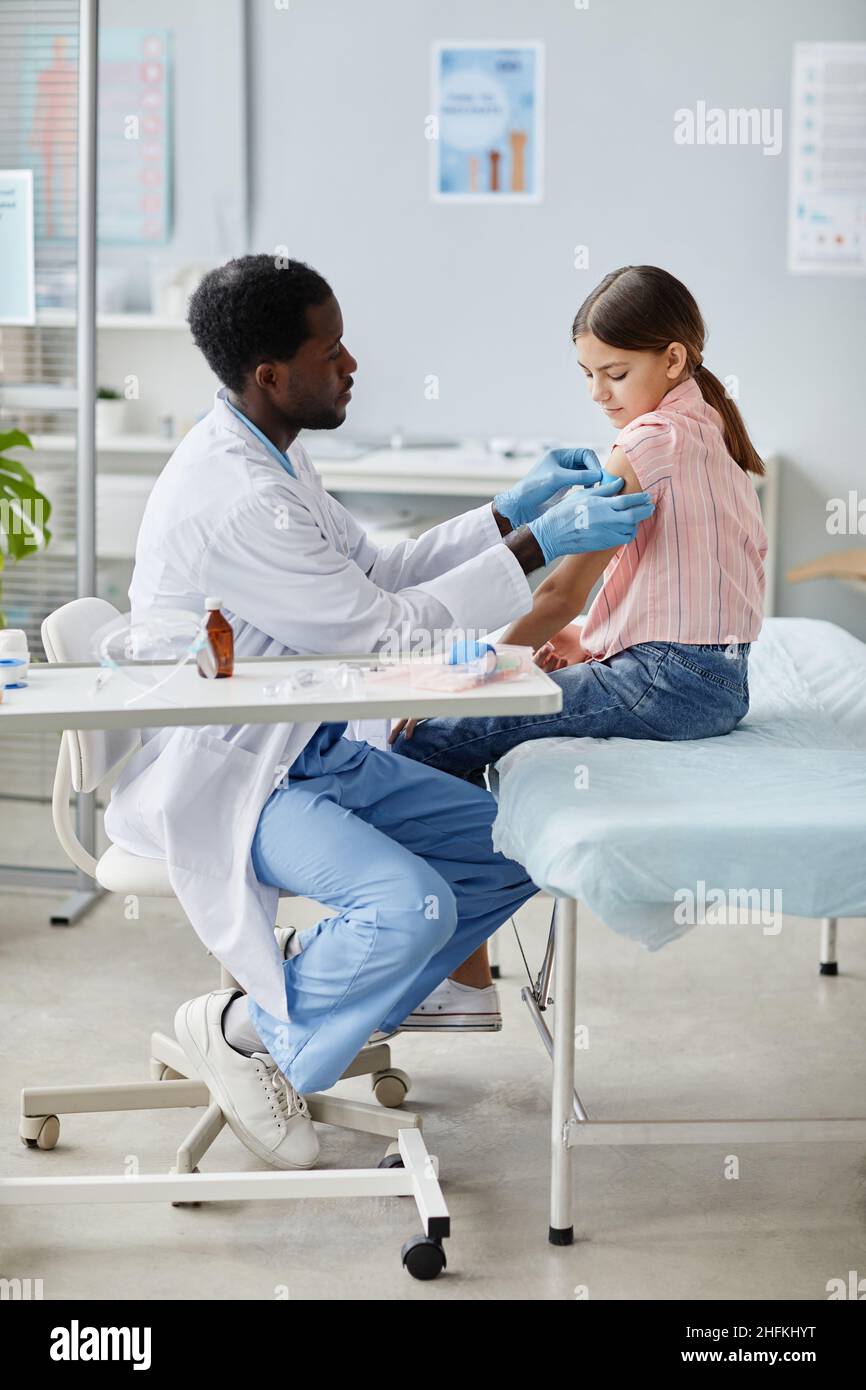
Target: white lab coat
{"points": [[296, 574]]}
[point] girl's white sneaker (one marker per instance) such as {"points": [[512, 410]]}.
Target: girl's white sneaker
{"points": [[453, 1007]]}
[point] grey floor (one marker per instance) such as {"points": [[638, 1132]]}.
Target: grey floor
{"points": [[726, 1022]]}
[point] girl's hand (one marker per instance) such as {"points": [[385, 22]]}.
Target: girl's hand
{"points": [[407, 724], [548, 659], [568, 644], [563, 649]]}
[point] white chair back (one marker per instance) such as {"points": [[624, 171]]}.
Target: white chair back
{"points": [[67, 635], [87, 756]]}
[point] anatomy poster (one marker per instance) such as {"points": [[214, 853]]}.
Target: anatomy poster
{"points": [[49, 119], [486, 133]]}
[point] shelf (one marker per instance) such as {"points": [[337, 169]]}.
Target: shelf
{"points": [[425, 472], [108, 444], [65, 318]]}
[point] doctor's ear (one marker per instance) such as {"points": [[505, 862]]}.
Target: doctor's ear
{"points": [[267, 376]]}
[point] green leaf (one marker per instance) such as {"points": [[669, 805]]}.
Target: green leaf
{"points": [[22, 487], [19, 535], [26, 491], [13, 439], [15, 467], [24, 523], [14, 490], [23, 542]]}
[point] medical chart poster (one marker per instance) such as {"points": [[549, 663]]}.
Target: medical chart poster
{"points": [[17, 298], [488, 105], [827, 213], [135, 136]]}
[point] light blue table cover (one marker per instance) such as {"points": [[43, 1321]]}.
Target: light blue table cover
{"points": [[629, 827]]}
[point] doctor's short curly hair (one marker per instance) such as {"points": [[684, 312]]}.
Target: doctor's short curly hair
{"points": [[251, 309]]}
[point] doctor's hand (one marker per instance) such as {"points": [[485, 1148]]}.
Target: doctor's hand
{"points": [[591, 521], [561, 468]]}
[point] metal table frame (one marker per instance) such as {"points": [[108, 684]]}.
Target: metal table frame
{"points": [[571, 1126]]}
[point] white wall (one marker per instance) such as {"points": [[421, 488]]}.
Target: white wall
{"points": [[484, 297]]}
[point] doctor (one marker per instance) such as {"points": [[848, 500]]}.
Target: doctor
{"points": [[402, 853]]}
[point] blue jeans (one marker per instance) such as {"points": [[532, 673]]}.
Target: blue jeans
{"points": [[655, 690]]}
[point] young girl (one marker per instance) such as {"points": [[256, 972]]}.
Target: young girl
{"points": [[663, 652]]}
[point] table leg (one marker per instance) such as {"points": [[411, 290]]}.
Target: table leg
{"points": [[561, 1228], [829, 963]]}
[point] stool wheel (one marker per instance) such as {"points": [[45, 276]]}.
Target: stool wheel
{"points": [[49, 1133], [390, 1087], [424, 1257]]}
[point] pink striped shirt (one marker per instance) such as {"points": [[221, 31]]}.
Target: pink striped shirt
{"points": [[694, 573]]}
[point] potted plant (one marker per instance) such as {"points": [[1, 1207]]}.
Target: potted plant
{"points": [[110, 412], [24, 510]]}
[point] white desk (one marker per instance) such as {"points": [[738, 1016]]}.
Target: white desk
{"points": [[63, 697]]}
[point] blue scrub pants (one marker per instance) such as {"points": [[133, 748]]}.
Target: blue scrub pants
{"points": [[404, 853]]}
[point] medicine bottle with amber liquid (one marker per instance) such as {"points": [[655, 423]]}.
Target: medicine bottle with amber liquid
{"points": [[216, 658]]}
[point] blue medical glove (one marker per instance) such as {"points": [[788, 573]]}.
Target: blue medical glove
{"points": [[559, 469], [463, 651], [591, 521]]}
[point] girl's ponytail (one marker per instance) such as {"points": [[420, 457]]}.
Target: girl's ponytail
{"points": [[737, 441]]}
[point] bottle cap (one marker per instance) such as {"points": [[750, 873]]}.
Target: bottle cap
{"points": [[213, 603]]}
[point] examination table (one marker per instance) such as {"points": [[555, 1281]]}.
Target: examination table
{"points": [[655, 838]]}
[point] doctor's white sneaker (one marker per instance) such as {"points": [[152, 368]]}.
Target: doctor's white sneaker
{"points": [[260, 1105], [456, 1008]]}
